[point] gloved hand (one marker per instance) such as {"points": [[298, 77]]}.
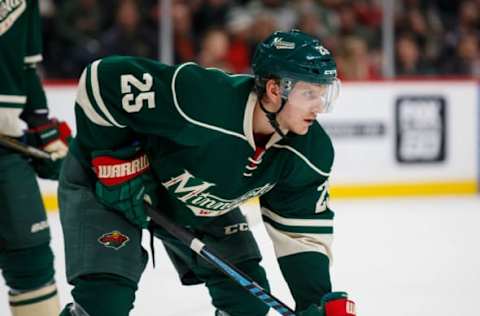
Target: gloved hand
{"points": [[332, 304], [124, 180], [53, 138]]}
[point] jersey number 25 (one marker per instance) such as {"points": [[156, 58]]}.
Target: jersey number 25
{"points": [[132, 103]]}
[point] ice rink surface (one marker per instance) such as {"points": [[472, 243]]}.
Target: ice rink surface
{"points": [[396, 257]]}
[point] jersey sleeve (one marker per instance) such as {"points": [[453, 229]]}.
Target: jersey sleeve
{"points": [[36, 103], [299, 221], [121, 99]]}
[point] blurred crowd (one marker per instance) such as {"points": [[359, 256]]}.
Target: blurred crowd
{"points": [[431, 37]]}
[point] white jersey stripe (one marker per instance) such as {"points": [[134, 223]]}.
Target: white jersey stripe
{"points": [[308, 162], [191, 120], [10, 123], [296, 221], [17, 99], [33, 59], [97, 95], [84, 102], [248, 118], [287, 243], [7, 21]]}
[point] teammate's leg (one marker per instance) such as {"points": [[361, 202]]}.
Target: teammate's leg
{"points": [[29, 275], [26, 259]]}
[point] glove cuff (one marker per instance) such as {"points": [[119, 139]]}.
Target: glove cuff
{"points": [[42, 135], [337, 303]]}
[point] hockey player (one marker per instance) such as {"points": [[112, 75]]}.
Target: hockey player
{"points": [[26, 260], [198, 142]]}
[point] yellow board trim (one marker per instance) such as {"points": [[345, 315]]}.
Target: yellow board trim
{"points": [[50, 202], [404, 189], [366, 191]]}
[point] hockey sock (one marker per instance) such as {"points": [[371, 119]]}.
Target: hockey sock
{"points": [[28, 268], [38, 302]]}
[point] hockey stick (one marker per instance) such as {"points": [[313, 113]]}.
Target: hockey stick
{"points": [[23, 148], [187, 238]]}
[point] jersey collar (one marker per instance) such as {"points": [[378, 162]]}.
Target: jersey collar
{"points": [[248, 124]]}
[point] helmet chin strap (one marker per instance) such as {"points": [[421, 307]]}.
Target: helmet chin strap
{"points": [[272, 116]]}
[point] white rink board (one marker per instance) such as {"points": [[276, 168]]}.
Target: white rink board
{"points": [[361, 160], [371, 159]]}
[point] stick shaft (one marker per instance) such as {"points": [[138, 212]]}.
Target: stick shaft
{"points": [[23, 148], [187, 238]]}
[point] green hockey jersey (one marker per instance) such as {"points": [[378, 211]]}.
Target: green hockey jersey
{"points": [[20, 50], [196, 126]]}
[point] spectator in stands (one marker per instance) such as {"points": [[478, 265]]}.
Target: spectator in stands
{"points": [[447, 12], [368, 13], [51, 47], [425, 30], [183, 39], [408, 59], [285, 16], [210, 14], [469, 16], [308, 20], [466, 62], [353, 62], [327, 16], [214, 49], [239, 28], [264, 24], [128, 36], [349, 25], [79, 20], [317, 21], [79, 23], [436, 27], [467, 21]]}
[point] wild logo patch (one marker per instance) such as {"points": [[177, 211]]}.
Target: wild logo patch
{"points": [[114, 239]]}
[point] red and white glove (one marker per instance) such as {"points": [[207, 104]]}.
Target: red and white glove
{"points": [[333, 304], [53, 137]]}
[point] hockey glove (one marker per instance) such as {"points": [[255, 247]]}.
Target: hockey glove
{"points": [[333, 304], [124, 180], [52, 137]]}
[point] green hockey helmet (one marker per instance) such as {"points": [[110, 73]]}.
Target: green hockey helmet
{"points": [[296, 56], [291, 57]]}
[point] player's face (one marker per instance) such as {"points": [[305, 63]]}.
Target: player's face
{"points": [[305, 102]]}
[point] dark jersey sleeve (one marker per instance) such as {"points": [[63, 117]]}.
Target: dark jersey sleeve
{"points": [[121, 99], [300, 222], [36, 99]]}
